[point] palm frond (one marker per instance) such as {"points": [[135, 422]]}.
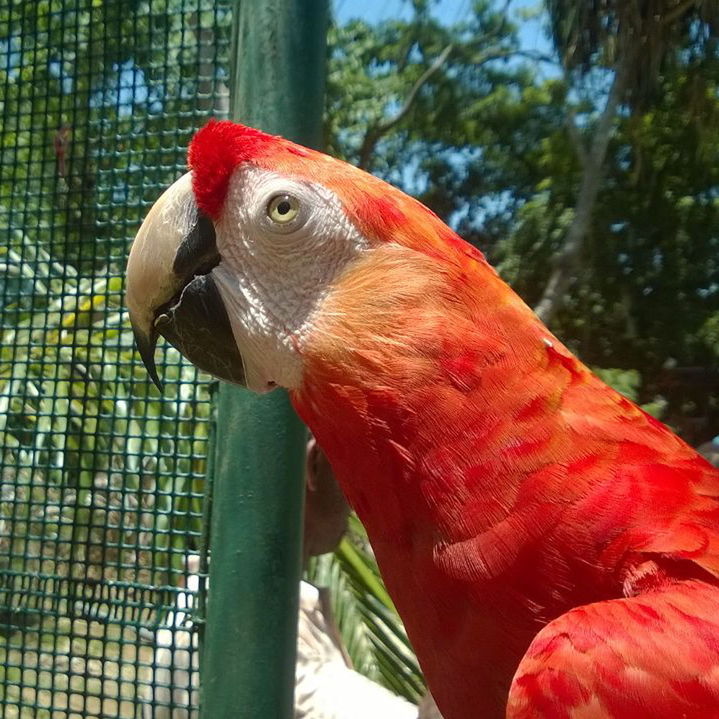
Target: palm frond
{"points": [[371, 629], [646, 34]]}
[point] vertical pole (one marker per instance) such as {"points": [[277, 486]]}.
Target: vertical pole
{"points": [[250, 640]]}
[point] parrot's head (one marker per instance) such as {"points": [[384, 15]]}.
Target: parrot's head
{"points": [[240, 259]]}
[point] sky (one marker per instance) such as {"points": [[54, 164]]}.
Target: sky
{"points": [[531, 32]]}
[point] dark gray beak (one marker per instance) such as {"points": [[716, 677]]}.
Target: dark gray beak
{"points": [[171, 292]]}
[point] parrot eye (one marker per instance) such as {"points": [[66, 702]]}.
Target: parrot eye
{"points": [[283, 209]]}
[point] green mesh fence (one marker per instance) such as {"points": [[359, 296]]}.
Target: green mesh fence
{"points": [[101, 479]]}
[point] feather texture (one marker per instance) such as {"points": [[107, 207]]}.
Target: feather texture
{"points": [[501, 483], [653, 655]]}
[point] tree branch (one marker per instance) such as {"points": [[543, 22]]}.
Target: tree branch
{"points": [[678, 10], [567, 257], [529, 54], [376, 132]]}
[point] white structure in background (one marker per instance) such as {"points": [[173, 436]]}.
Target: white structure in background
{"points": [[326, 687]]}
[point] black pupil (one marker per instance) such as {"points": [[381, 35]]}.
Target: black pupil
{"points": [[284, 207]]}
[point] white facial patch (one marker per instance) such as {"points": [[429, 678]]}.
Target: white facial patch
{"points": [[282, 243]]}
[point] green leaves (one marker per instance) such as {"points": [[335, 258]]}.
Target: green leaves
{"points": [[80, 429]]}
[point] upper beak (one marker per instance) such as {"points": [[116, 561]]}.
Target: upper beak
{"points": [[170, 289]]}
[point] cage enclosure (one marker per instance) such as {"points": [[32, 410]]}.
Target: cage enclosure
{"points": [[102, 479]]}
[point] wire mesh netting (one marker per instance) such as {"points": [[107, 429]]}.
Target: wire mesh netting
{"points": [[102, 481]]}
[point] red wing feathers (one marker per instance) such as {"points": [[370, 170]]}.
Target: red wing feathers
{"points": [[653, 656]]}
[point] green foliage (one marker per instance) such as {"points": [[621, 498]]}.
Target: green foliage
{"points": [[443, 147], [649, 35], [81, 429], [709, 333], [648, 285]]}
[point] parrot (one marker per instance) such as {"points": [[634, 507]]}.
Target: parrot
{"points": [[552, 550]]}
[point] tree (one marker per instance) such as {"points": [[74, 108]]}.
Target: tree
{"points": [[631, 43]]}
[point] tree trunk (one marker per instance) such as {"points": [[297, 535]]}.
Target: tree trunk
{"points": [[566, 260]]}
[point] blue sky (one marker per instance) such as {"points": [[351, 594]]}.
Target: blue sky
{"points": [[531, 32]]}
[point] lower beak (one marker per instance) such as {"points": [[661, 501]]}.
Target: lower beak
{"points": [[170, 289]]}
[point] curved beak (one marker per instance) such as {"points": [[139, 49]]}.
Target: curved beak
{"points": [[170, 289]]}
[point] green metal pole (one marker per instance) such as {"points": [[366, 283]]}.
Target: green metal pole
{"points": [[249, 650]]}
